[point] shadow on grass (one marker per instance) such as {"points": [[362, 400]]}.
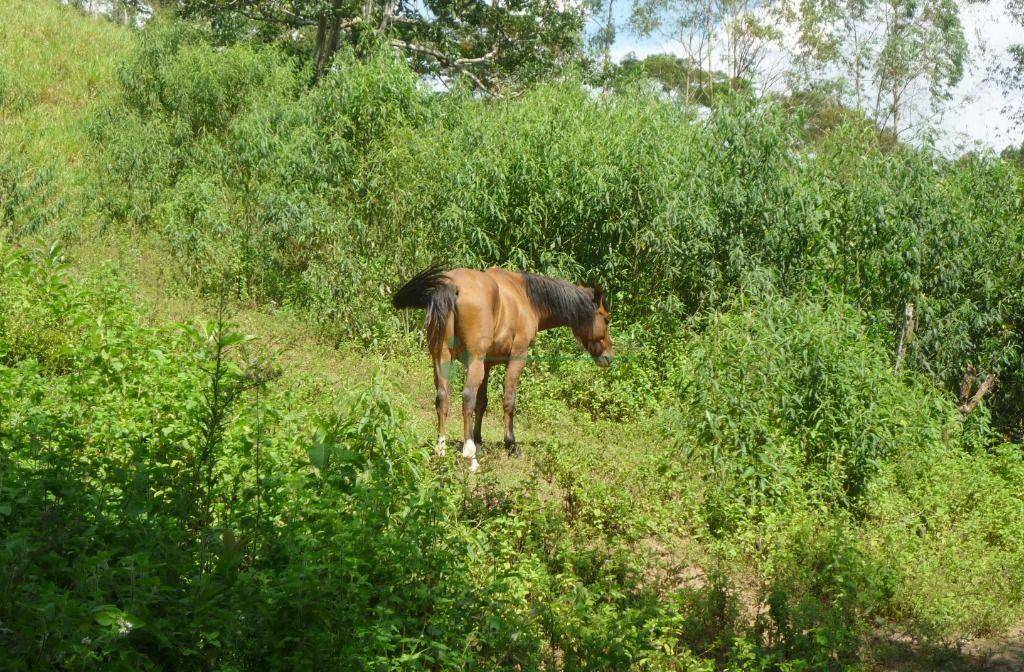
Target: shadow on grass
{"points": [[1003, 654]]}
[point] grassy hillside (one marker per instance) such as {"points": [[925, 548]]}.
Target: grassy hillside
{"points": [[56, 65], [215, 435]]}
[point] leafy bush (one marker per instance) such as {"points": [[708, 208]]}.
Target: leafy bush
{"points": [[27, 201], [822, 594], [948, 525], [786, 399], [854, 492]]}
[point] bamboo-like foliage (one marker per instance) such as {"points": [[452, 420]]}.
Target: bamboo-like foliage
{"points": [[326, 197]]}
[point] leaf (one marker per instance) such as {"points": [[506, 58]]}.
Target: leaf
{"points": [[107, 614], [318, 454]]}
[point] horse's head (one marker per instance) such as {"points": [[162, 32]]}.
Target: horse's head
{"points": [[593, 334]]}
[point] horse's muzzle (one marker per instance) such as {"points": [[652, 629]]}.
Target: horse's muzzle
{"points": [[603, 360]]}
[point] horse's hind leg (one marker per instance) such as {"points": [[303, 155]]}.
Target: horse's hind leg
{"points": [[442, 372], [515, 367], [481, 405], [474, 376]]}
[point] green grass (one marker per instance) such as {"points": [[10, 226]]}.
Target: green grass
{"points": [[57, 64]]}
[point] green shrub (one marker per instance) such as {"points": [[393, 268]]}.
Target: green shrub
{"points": [[949, 526], [787, 399], [27, 198], [855, 493], [822, 595]]}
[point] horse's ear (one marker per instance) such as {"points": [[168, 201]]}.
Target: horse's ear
{"points": [[598, 295]]}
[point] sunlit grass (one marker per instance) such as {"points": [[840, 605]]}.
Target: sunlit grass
{"points": [[57, 63]]}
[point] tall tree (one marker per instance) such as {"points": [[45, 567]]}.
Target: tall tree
{"points": [[680, 77], [494, 44], [895, 59], [733, 35], [1011, 70]]}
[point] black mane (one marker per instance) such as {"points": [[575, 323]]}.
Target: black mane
{"points": [[560, 299]]}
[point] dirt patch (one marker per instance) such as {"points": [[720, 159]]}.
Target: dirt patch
{"points": [[1001, 653], [1005, 652]]}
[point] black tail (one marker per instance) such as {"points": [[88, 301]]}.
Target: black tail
{"points": [[429, 289]]}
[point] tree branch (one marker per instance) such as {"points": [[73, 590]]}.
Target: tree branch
{"points": [[966, 384], [986, 386], [460, 63], [479, 59]]}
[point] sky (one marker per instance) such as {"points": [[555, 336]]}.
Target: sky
{"points": [[976, 115]]}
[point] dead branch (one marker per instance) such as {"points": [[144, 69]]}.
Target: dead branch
{"points": [[907, 334], [967, 384], [986, 386], [460, 63]]}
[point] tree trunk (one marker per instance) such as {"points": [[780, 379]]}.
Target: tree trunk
{"points": [[986, 386], [328, 29], [906, 335]]}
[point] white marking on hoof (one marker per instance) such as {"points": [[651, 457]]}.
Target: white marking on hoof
{"points": [[469, 449], [442, 447], [474, 466]]}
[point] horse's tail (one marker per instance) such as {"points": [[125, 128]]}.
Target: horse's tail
{"points": [[429, 289]]}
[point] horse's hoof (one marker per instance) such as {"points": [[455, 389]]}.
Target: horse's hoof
{"points": [[442, 447], [469, 449], [474, 466]]}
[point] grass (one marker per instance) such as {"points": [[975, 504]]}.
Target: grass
{"points": [[57, 64]]}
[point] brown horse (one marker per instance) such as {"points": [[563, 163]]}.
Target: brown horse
{"points": [[491, 317]]}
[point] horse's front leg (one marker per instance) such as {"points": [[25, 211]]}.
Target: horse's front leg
{"points": [[474, 376], [515, 367]]}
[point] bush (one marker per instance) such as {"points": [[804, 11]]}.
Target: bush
{"points": [[948, 526], [853, 492], [822, 595], [27, 198], [786, 399]]}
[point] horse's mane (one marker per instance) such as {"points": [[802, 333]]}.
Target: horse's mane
{"points": [[560, 299]]}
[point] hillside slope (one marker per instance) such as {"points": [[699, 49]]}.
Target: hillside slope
{"points": [[57, 64], [783, 500]]}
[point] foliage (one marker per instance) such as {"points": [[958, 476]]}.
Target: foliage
{"points": [[26, 200], [680, 77], [325, 198], [941, 520], [897, 54], [490, 45], [791, 400], [735, 35]]}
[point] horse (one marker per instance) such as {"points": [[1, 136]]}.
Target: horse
{"points": [[483, 318]]}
